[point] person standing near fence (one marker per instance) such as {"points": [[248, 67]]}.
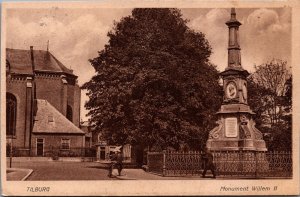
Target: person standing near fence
{"points": [[117, 161], [207, 159]]}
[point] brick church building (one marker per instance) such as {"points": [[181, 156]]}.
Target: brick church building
{"points": [[42, 105]]}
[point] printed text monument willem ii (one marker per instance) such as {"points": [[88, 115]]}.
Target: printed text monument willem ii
{"points": [[236, 129]]}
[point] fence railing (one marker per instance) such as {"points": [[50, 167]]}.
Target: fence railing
{"points": [[227, 163], [156, 162]]}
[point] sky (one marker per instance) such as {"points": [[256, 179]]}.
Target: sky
{"points": [[76, 35]]}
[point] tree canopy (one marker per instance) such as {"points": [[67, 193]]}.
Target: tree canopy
{"points": [[154, 85], [270, 90]]}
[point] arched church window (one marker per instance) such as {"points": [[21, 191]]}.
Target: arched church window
{"points": [[7, 67], [69, 113], [11, 114]]}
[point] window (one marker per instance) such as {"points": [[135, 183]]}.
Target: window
{"points": [[50, 118], [65, 144], [11, 113], [69, 113], [7, 67]]}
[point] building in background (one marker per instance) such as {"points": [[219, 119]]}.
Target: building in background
{"points": [[42, 105], [87, 129], [104, 149]]}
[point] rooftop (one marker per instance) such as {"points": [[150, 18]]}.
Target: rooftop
{"points": [[19, 61], [49, 120]]}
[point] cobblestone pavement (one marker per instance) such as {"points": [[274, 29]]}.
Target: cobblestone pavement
{"points": [[64, 170]]}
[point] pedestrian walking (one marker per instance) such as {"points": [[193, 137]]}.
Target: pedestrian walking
{"points": [[207, 159], [116, 162]]}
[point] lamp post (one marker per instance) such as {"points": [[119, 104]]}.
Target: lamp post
{"points": [[11, 151]]}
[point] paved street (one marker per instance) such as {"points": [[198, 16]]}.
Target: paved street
{"points": [[55, 171], [64, 170], [52, 170]]}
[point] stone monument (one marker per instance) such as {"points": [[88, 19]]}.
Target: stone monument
{"points": [[236, 127]]}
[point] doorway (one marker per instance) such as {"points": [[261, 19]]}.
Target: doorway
{"points": [[39, 147], [102, 153]]}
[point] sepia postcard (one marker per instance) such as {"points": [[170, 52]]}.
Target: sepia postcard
{"points": [[116, 98]]}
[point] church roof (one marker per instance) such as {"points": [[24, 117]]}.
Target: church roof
{"points": [[20, 62], [49, 120]]}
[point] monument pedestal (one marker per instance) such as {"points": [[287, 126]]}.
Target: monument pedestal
{"points": [[237, 144], [235, 131]]}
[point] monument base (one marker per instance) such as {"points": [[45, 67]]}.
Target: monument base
{"points": [[236, 145]]}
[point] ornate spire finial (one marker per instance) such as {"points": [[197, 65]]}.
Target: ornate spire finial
{"points": [[48, 46], [233, 14]]}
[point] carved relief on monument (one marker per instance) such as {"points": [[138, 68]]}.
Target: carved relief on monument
{"points": [[244, 119], [215, 132], [257, 133], [245, 132], [231, 90], [244, 90]]}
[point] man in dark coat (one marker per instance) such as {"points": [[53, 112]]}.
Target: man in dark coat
{"points": [[117, 161], [207, 159]]}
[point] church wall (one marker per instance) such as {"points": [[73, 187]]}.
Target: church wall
{"points": [[17, 87], [50, 88], [77, 96], [70, 102], [70, 99], [73, 100]]}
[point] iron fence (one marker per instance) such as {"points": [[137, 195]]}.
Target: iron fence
{"points": [[178, 163], [156, 162], [280, 164], [227, 163]]}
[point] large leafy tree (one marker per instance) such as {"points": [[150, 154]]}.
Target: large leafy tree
{"points": [[270, 90], [282, 131], [154, 85], [273, 76]]}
